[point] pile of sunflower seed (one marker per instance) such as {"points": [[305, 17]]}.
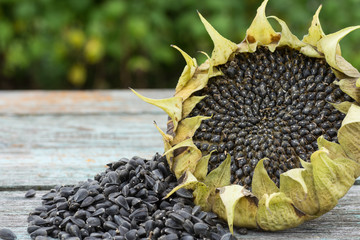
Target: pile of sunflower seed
{"points": [[125, 202]]}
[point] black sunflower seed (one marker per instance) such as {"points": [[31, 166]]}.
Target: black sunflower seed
{"points": [[77, 221], [32, 228], [142, 212], [131, 235], [30, 193], [200, 228], [38, 232], [228, 236], [138, 214], [7, 234], [80, 195], [184, 193], [74, 231], [171, 236]]}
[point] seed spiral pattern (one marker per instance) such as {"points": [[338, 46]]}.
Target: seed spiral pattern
{"points": [[268, 104]]}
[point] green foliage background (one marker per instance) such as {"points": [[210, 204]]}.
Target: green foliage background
{"points": [[87, 44]]}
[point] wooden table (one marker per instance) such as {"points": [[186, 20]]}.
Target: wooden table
{"points": [[62, 137]]}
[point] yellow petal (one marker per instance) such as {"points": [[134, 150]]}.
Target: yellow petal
{"points": [[244, 212], [261, 182], [287, 38], [349, 87], [186, 156], [334, 150], [349, 133], [187, 181], [223, 47], [343, 106], [298, 185], [167, 139], [328, 46], [260, 31], [197, 82], [332, 178], [187, 128], [220, 176], [276, 212], [311, 51], [189, 104], [315, 30], [201, 196], [230, 196], [188, 71], [172, 106], [202, 167], [358, 83]]}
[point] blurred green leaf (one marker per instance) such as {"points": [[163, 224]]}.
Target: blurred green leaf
{"points": [[6, 34], [118, 43], [15, 56]]}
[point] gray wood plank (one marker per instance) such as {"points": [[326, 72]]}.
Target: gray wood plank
{"points": [[343, 222], [78, 102], [48, 138], [63, 149]]}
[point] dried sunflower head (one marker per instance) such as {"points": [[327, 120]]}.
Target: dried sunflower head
{"points": [[266, 132]]}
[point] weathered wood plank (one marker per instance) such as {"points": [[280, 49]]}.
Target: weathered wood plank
{"points": [[63, 149], [61, 137], [343, 222], [78, 102]]}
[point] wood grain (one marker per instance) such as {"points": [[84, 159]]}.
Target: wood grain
{"points": [[62, 149], [78, 102], [343, 222]]}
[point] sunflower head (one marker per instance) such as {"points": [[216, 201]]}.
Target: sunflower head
{"points": [[266, 132]]}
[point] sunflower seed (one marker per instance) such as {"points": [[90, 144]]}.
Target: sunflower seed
{"points": [[125, 190], [184, 193], [138, 214], [184, 214], [48, 196], [177, 217], [80, 195], [30, 193], [87, 202], [112, 210], [123, 230], [79, 222], [82, 214], [56, 221], [108, 207], [62, 206], [188, 237], [7, 234], [188, 226], [40, 222], [121, 201], [98, 212], [110, 225], [131, 235], [200, 228], [169, 237], [172, 224], [228, 236], [38, 232], [41, 238], [32, 228]]}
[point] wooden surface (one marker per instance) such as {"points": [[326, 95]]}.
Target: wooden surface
{"points": [[50, 138]]}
